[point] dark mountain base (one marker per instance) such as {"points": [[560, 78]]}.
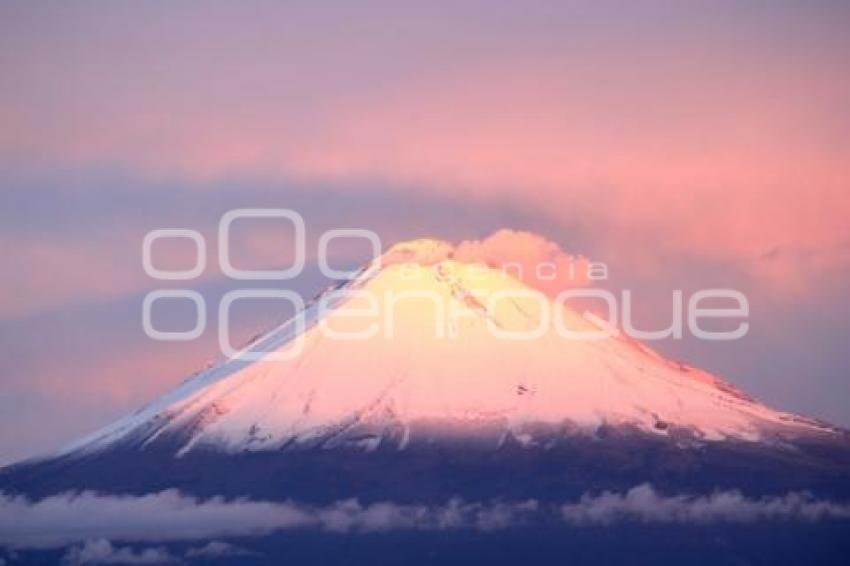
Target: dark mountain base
{"points": [[433, 473]]}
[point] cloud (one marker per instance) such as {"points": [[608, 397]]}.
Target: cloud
{"points": [[541, 263], [167, 515], [92, 520], [101, 551], [86, 270], [645, 504], [531, 258], [217, 549]]}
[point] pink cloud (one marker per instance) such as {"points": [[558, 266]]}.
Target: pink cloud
{"points": [[538, 262], [39, 275], [42, 274], [531, 258]]}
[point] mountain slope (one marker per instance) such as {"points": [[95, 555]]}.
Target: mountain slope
{"points": [[431, 379], [466, 375]]}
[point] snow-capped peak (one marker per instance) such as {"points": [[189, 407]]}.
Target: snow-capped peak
{"points": [[431, 347]]}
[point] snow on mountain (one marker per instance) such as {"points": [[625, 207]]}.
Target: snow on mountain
{"points": [[429, 354]]}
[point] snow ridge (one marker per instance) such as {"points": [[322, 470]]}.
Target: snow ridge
{"points": [[381, 388]]}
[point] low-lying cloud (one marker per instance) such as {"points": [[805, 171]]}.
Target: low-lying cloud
{"points": [[68, 519], [644, 504], [170, 516], [102, 551]]}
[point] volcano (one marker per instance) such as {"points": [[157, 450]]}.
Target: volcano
{"points": [[425, 378]]}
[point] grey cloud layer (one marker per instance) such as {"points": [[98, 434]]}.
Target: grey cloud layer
{"points": [[102, 551], [643, 503], [169, 516]]}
